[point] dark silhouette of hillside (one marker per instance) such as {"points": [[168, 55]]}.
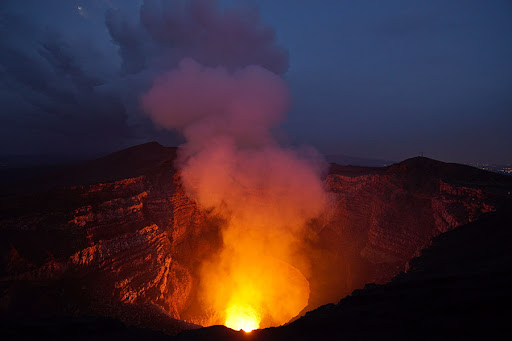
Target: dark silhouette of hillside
{"points": [[127, 163]]}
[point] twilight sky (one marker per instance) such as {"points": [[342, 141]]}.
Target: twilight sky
{"points": [[375, 79]]}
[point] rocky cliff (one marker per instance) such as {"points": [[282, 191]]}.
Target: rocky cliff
{"points": [[458, 288], [380, 218], [99, 249], [129, 243]]}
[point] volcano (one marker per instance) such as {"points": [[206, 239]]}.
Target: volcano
{"points": [[117, 242]]}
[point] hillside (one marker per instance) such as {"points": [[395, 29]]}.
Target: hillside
{"points": [[129, 238]]}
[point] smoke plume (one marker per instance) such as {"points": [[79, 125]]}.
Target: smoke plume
{"points": [[232, 165], [169, 30]]}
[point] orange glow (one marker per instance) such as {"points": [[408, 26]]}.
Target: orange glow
{"points": [[256, 279], [242, 318], [250, 289], [234, 169]]}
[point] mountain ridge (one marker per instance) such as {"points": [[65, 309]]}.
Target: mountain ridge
{"points": [[126, 242]]}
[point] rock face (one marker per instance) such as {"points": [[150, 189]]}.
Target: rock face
{"points": [[458, 288], [130, 245], [98, 250], [380, 218]]}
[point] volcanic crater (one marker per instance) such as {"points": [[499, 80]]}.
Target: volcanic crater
{"points": [[119, 239]]}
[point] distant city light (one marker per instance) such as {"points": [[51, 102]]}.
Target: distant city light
{"points": [[504, 169]]}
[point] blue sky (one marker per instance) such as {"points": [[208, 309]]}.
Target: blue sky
{"points": [[368, 78]]}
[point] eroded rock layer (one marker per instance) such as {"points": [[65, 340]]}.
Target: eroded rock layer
{"points": [[380, 218], [131, 247]]}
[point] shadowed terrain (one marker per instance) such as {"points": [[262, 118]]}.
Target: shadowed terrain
{"points": [[458, 288], [117, 239]]}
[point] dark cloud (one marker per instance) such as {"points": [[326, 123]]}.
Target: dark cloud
{"points": [[128, 36], [169, 31], [49, 101], [62, 88]]}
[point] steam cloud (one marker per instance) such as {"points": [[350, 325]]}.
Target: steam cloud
{"points": [[232, 165], [225, 97], [169, 31], [64, 90]]}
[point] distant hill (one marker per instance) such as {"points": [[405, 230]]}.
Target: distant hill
{"points": [[345, 160], [127, 163]]}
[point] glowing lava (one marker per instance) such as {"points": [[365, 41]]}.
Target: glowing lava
{"points": [[255, 280], [250, 291], [263, 195], [242, 318]]}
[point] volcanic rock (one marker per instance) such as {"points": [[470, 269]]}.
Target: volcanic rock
{"points": [[380, 218], [97, 249], [124, 240], [458, 288]]}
